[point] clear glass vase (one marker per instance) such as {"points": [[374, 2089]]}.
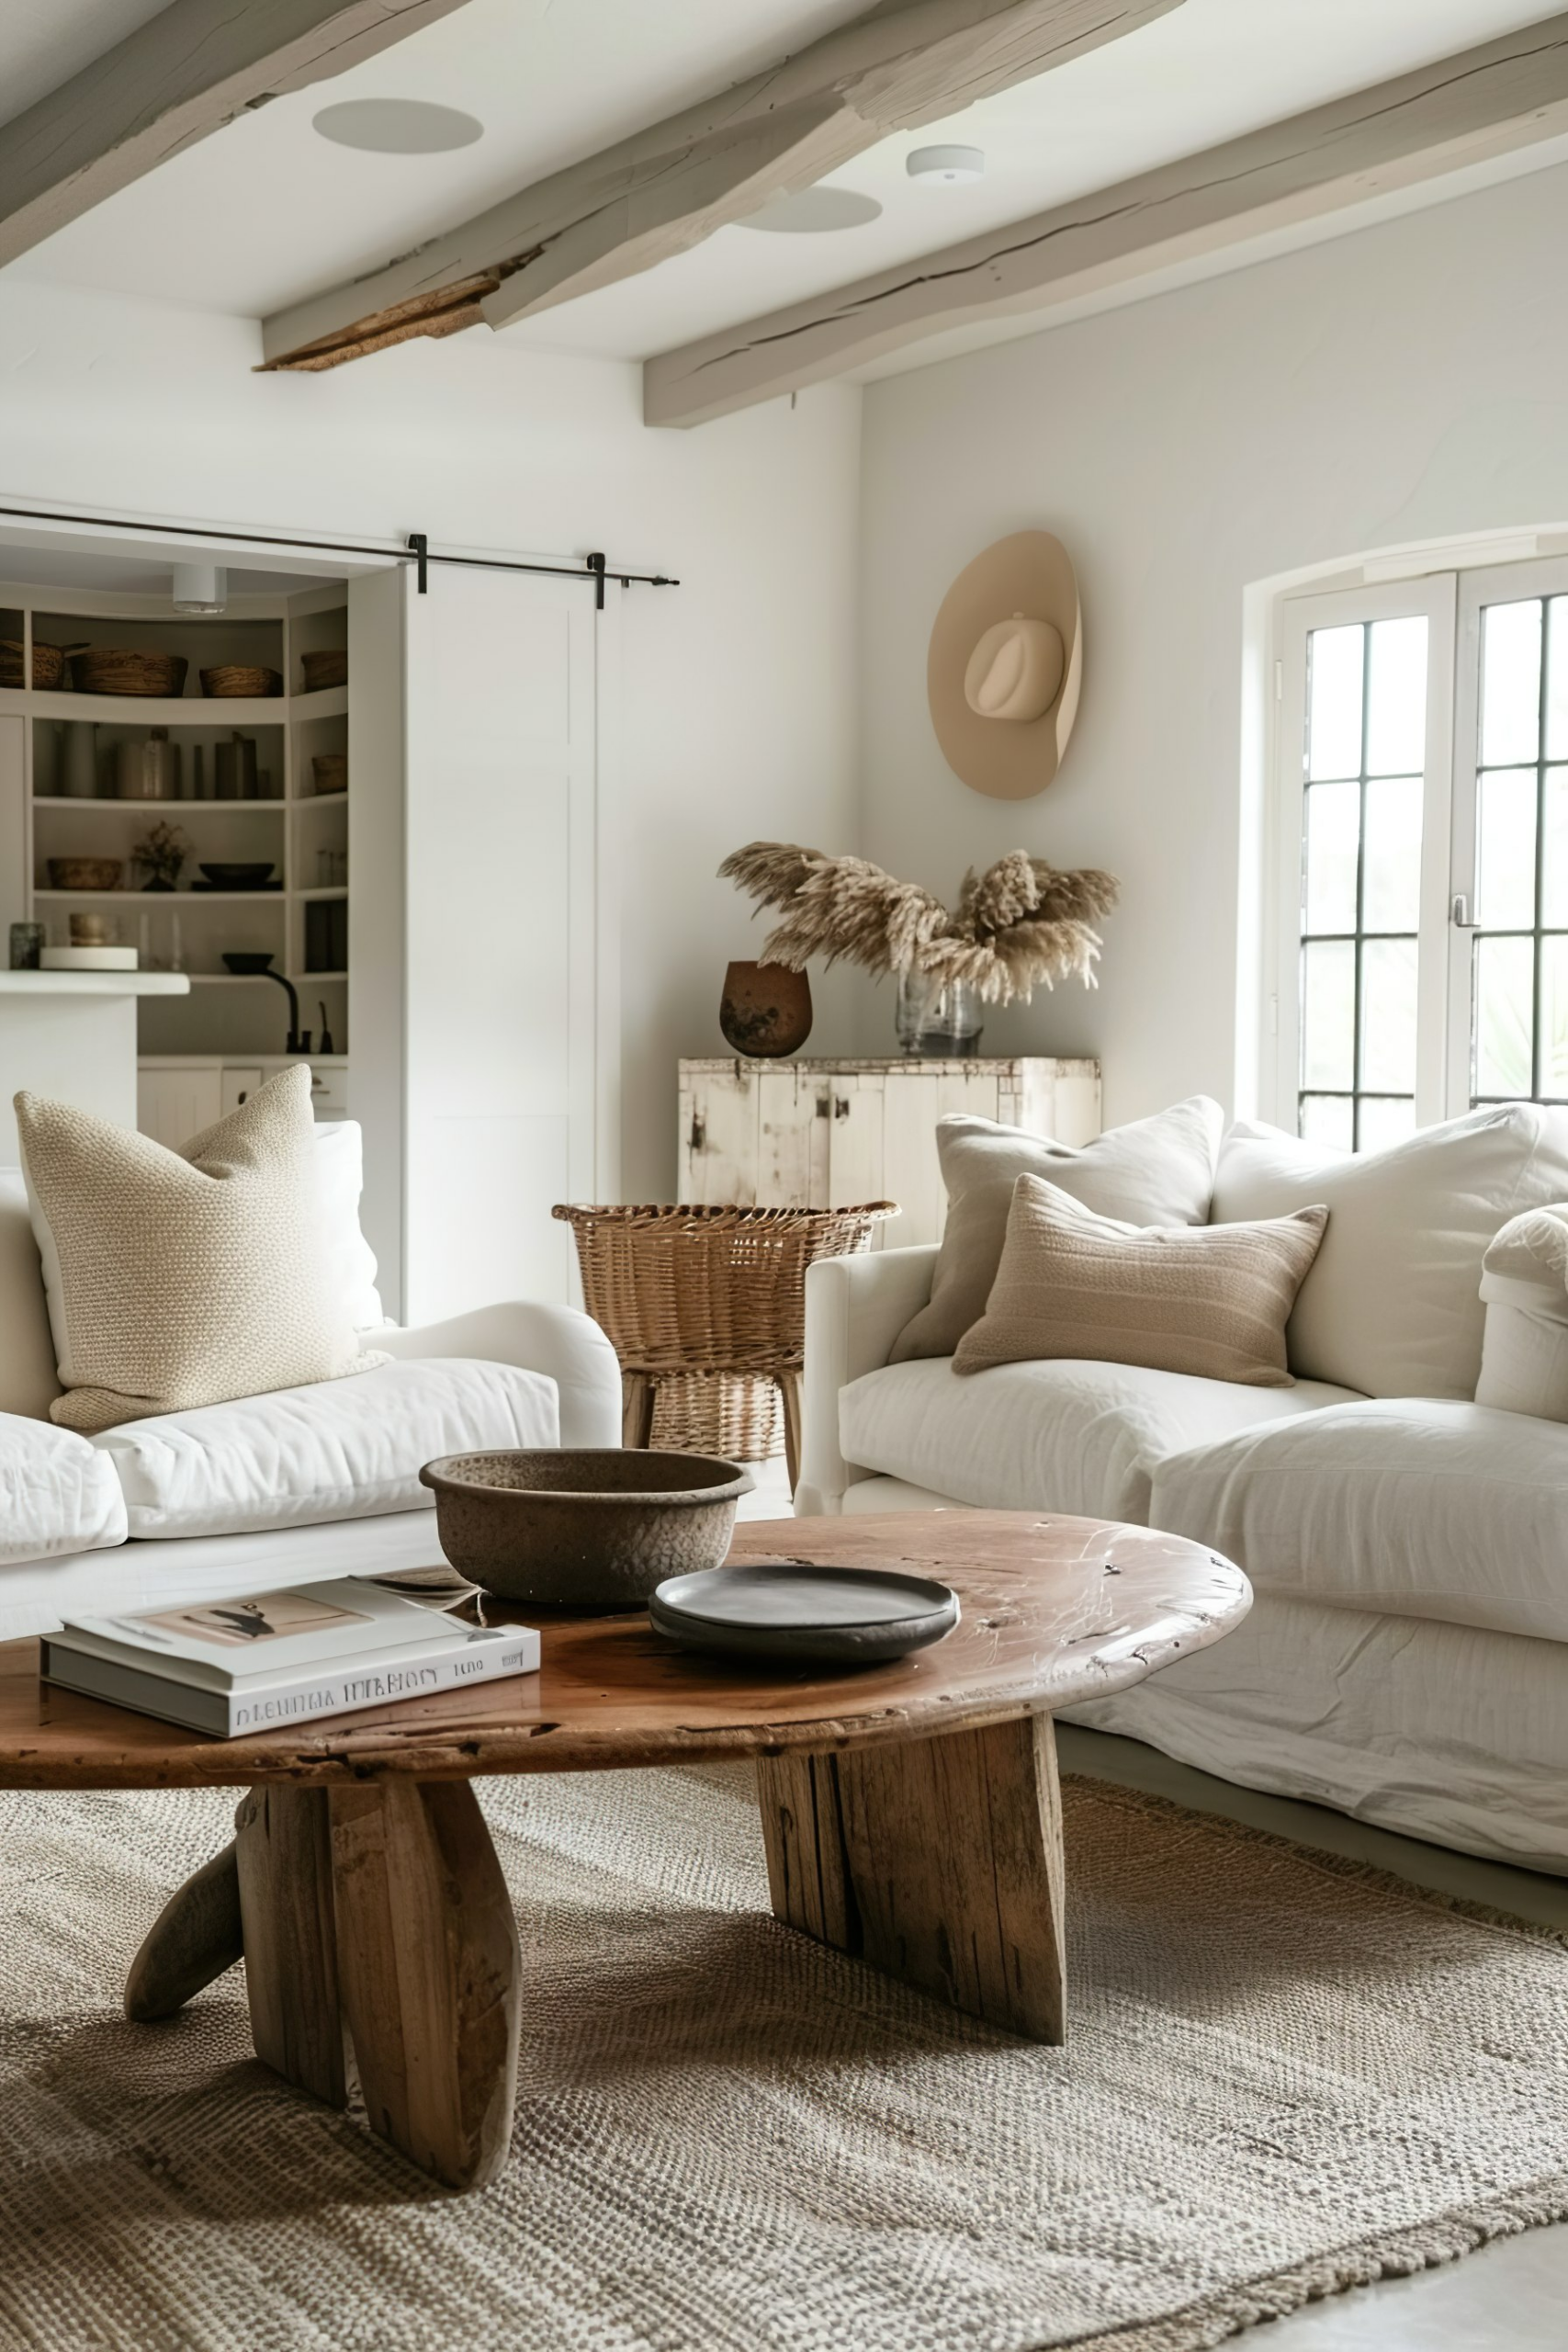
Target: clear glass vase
{"points": [[937, 1020]]}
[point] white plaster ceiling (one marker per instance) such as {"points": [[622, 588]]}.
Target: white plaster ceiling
{"points": [[266, 212]]}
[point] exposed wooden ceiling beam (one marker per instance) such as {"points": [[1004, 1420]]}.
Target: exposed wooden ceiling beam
{"points": [[1506, 95], [185, 72], [906, 61]]}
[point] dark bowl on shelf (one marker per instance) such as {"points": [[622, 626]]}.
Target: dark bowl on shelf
{"points": [[239, 877], [244, 961]]}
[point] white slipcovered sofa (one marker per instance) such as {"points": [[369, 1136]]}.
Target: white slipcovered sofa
{"points": [[1402, 1510], [318, 1481]]}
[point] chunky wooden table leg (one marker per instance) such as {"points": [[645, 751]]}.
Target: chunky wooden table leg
{"points": [[195, 1938], [284, 1849], [939, 1860], [429, 1963]]}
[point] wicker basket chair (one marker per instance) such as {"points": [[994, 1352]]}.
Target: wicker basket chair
{"points": [[713, 1299]]}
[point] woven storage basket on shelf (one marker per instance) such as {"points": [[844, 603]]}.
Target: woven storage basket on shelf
{"points": [[710, 1303], [121, 670], [241, 679]]}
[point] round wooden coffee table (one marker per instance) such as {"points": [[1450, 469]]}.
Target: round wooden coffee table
{"points": [[909, 1812]]}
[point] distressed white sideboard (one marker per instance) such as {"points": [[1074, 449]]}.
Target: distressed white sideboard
{"points": [[828, 1134]]}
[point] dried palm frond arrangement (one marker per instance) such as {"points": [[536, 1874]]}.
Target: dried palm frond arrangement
{"points": [[1020, 925]]}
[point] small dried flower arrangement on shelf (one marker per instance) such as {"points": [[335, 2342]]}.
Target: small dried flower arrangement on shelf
{"points": [[1022, 925], [161, 851]]}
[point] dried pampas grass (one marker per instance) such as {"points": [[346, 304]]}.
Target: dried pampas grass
{"points": [[1020, 925]]}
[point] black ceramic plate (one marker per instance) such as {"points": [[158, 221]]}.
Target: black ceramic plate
{"points": [[790, 1610]]}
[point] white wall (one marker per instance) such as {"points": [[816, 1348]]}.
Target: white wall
{"points": [[739, 687], [1407, 382]]}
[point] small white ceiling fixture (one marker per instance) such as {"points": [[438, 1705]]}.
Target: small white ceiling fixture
{"points": [[200, 588], [949, 166], [813, 210], [397, 126]]}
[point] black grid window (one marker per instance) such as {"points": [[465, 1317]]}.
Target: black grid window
{"points": [[1363, 793], [1519, 996]]}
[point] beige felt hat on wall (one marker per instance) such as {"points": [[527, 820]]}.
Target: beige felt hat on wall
{"points": [[1006, 664]]}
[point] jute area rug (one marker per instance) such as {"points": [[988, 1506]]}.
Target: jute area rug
{"points": [[1285, 2076]]}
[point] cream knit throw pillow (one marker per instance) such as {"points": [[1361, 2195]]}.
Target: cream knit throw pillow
{"points": [[184, 1278], [1209, 1299]]}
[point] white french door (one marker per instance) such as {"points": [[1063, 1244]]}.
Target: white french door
{"points": [[1420, 863], [1509, 965]]}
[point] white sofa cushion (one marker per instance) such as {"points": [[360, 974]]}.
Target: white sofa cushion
{"points": [[1419, 1507], [1524, 1288], [1391, 1305], [1057, 1436], [339, 1449], [351, 1261], [56, 1494]]}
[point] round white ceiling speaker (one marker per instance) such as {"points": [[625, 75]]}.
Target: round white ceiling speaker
{"points": [[397, 126], [812, 212], [948, 165]]}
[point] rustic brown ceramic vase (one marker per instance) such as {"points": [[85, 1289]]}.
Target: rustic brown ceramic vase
{"points": [[765, 1010]]}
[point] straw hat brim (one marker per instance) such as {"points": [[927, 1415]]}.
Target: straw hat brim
{"points": [[1030, 572]]}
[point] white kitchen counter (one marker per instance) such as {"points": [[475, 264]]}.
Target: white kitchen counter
{"points": [[95, 984], [72, 1035]]}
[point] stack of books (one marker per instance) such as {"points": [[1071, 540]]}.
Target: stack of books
{"points": [[269, 1659]]}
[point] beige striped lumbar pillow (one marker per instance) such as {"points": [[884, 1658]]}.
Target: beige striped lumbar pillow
{"points": [[1208, 1299], [184, 1278]]}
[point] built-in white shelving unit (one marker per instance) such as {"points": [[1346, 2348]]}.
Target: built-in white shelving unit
{"points": [[48, 811]]}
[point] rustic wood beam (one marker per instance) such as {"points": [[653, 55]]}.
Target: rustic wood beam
{"points": [[185, 72], [906, 61], [1506, 95]]}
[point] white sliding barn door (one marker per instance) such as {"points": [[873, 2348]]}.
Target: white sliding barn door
{"points": [[507, 1033]]}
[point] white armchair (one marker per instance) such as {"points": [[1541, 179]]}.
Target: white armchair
{"points": [[855, 1308]]}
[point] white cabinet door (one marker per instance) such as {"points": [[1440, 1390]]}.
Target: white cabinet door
{"points": [[171, 1105], [794, 1139], [911, 1170], [237, 1086], [720, 1146]]}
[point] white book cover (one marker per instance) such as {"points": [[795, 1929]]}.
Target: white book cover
{"points": [[475, 1656], [454, 1658], [272, 1634]]}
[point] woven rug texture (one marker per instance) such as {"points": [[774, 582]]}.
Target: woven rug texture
{"points": [[1285, 2076]]}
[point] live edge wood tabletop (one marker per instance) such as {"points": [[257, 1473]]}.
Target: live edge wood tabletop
{"points": [[909, 1810]]}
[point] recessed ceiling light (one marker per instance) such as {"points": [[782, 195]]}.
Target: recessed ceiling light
{"points": [[812, 210], [397, 126], [951, 164]]}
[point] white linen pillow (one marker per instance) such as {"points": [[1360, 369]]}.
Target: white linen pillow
{"points": [[181, 1279], [1391, 1305], [340, 1160], [339, 1449], [29, 1382], [57, 1495], [1524, 1288], [1159, 1170]]}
